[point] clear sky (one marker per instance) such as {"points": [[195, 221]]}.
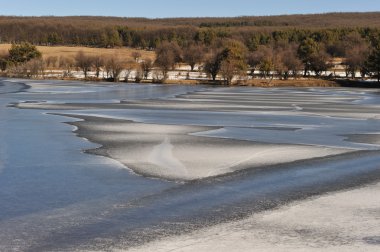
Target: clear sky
{"points": [[179, 8]]}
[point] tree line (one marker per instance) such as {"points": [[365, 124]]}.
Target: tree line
{"points": [[232, 59], [227, 59], [280, 44], [150, 33]]}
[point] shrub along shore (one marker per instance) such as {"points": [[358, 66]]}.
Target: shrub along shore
{"points": [[127, 65]]}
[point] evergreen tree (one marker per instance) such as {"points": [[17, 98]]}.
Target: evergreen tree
{"points": [[20, 53], [373, 62]]}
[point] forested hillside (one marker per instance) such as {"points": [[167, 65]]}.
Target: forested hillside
{"points": [[149, 33]]}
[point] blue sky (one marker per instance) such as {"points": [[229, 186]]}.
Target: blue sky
{"points": [[178, 8]]}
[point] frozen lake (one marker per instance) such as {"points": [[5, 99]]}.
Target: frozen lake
{"points": [[169, 159]]}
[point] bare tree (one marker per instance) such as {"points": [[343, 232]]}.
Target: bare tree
{"points": [[254, 60], [279, 66], [98, 63], [213, 64], [146, 66], [114, 67], [35, 68], [16, 70], [228, 71], [67, 64], [292, 63], [193, 54], [267, 61], [83, 62], [355, 59], [167, 55], [319, 62], [129, 67], [165, 62], [230, 61], [286, 61], [139, 74], [3, 60]]}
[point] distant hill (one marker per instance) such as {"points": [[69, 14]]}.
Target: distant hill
{"points": [[148, 33], [328, 20]]}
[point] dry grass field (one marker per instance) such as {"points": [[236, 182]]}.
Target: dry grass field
{"points": [[70, 52]]}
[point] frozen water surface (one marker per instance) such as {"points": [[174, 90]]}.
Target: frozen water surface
{"points": [[266, 147]]}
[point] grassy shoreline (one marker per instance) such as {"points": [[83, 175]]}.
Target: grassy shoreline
{"points": [[261, 83]]}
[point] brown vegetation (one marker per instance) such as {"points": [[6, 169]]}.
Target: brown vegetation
{"points": [[329, 20], [53, 53], [291, 83], [145, 33], [232, 50]]}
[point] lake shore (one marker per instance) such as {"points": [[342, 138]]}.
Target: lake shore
{"points": [[256, 82]]}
